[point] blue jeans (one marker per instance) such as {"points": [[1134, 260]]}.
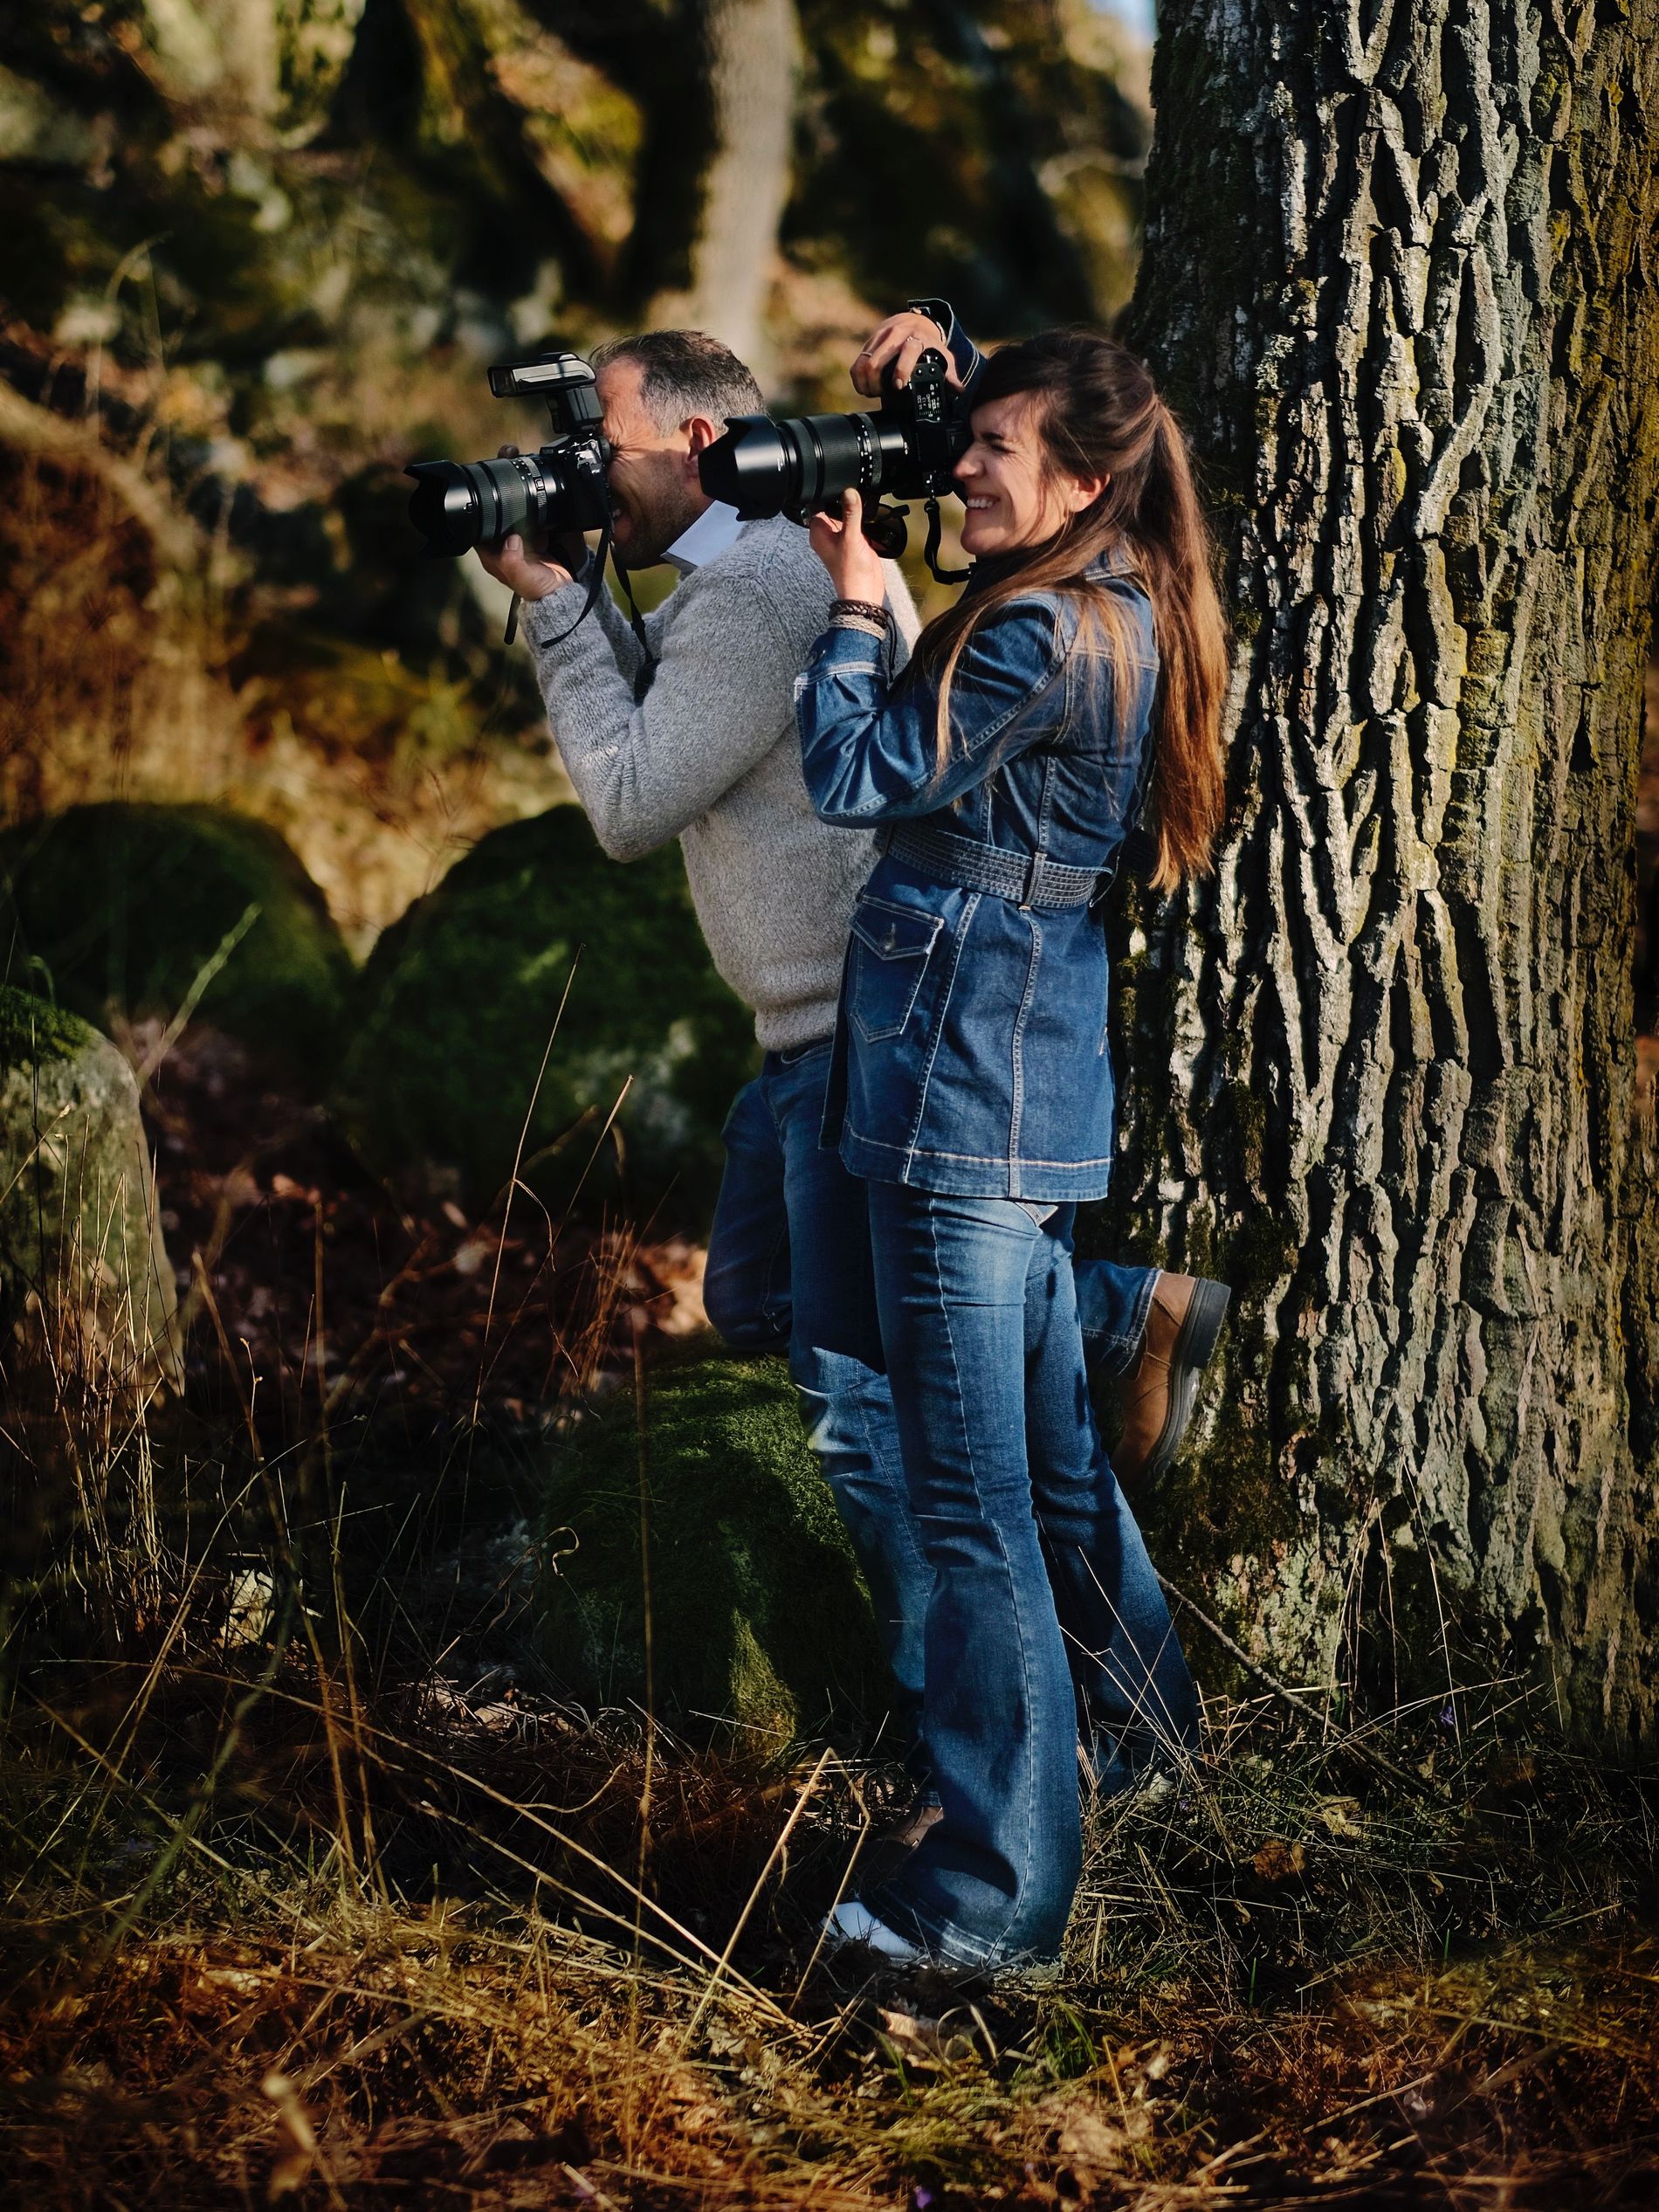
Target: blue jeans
{"points": [[789, 1269], [748, 1290], [1043, 1598]]}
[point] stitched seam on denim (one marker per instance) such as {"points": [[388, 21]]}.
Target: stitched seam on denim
{"points": [[1143, 1307], [876, 1459], [988, 737], [1017, 1054], [1044, 817], [771, 1302], [958, 939], [880, 1035], [977, 1159]]}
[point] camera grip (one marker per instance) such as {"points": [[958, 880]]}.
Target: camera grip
{"points": [[884, 528]]}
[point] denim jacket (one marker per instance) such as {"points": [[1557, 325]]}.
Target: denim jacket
{"points": [[971, 1049]]}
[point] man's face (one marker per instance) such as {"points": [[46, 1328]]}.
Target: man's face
{"points": [[654, 494]]}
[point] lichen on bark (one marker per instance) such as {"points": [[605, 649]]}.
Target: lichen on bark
{"points": [[1396, 280]]}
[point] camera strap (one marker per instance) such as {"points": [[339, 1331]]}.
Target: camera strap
{"points": [[595, 584], [930, 551], [637, 623]]}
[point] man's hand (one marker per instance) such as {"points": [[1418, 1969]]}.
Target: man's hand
{"points": [[854, 564], [511, 562], [524, 569], [901, 339]]}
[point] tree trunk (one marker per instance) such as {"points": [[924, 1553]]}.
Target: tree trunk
{"points": [[752, 51], [1399, 281]]}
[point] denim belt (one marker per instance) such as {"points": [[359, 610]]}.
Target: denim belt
{"points": [[1031, 880]]}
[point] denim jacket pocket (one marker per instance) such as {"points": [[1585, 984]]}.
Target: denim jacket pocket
{"points": [[890, 950]]}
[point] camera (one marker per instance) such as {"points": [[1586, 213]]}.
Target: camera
{"points": [[457, 505], [801, 465]]}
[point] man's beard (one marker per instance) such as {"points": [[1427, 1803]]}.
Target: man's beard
{"points": [[671, 514]]}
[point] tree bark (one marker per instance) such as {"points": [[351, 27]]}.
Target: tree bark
{"points": [[1399, 280]]}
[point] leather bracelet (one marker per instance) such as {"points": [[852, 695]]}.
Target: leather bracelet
{"points": [[862, 611]]}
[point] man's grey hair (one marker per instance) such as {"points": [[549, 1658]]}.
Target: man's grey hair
{"points": [[684, 373]]}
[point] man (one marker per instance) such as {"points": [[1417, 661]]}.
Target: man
{"points": [[698, 741]]}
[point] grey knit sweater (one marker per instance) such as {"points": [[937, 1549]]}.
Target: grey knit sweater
{"points": [[711, 756]]}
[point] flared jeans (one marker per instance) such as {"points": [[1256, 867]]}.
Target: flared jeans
{"points": [[1044, 1609]]}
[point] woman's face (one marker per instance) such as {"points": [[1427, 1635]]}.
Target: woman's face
{"points": [[1014, 495]]}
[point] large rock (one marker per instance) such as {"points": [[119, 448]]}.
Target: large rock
{"points": [[758, 1614], [129, 910], [81, 1255], [536, 935]]}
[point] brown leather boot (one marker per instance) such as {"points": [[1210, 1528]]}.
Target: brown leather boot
{"points": [[1157, 1393]]}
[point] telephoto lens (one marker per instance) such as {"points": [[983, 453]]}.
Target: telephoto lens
{"points": [[764, 467], [803, 463], [457, 505]]}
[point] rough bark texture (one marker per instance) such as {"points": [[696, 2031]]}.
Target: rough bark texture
{"points": [[1401, 281]]}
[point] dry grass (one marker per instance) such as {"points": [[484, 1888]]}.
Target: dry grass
{"points": [[315, 1889], [1283, 1985]]}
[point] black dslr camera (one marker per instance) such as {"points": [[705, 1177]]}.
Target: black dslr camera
{"points": [[457, 505], [801, 465]]}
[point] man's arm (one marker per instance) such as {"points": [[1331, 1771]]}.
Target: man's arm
{"points": [[966, 357], [718, 703], [618, 630]]}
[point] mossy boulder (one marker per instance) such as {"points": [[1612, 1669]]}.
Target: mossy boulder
{"points": [[81, 1257], [537, 935], [759, 1616], [118, 910]]}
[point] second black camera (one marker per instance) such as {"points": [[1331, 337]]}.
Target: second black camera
{"points": [[457, 505], [797, 466]]}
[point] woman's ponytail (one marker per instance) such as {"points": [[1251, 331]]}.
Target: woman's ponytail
{"points": [[1177, 557]]}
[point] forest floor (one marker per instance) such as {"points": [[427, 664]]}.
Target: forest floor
{"points": [[344, 1905]]}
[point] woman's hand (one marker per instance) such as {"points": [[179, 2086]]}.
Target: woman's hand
{"points": [[854, 564], [902, 340]]}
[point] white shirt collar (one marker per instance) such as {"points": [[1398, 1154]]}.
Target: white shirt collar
{"points": [[702, 541]]}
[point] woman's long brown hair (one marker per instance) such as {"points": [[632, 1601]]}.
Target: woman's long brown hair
{"points": [[1099, 415]]}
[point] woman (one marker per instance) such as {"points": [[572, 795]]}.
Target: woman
{"points": [[1077, 681]]}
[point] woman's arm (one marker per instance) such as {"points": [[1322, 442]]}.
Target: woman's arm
{"points": [[902, 339], [868, 749]]}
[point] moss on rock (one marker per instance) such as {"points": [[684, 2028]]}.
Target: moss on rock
{"points": [[122, 910], [536, 935], [758, 1614], [81, 1255]]}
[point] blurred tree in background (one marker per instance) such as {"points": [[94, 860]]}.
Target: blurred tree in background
{"points": [[254, 255]]}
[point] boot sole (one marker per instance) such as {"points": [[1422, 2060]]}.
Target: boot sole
{"points": [[1195, 1344]]}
